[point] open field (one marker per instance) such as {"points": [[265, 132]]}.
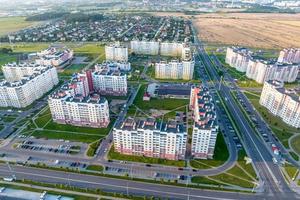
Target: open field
{"points": [[12, 24], [248, 29]]}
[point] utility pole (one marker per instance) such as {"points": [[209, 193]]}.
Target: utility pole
{"points": [[220, 82]]}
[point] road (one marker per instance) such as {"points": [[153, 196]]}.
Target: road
{"points": [[124, 186], [270, 175]]}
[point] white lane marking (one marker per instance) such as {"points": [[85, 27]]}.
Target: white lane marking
{"points": [[118, 186]]}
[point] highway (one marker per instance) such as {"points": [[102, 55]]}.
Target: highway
{"points": [[269, 173]]}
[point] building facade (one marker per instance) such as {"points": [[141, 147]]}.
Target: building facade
{"points": [[260, 70], [109, 81], [114, 65], [145, 47], [116, 52], [22, 91], [151, 139], [54, 57], [205, 129], [175, 69], [281, 102], [289, 56], [74, 104]]}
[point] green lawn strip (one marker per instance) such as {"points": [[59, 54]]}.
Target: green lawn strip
{"points": [[93, 148], [79, 137], [295, 143], [291, 170], [113, 155], [294, 155], [49, 191], [43, 118], [160, 104], [206, 180], [248, 168], [237, 171], [233, 180], [95, 168], [198, 164]]}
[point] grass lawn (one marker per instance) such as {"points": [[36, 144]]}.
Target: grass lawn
{"points": [[160, 104], [6, 58], [117, 156], [291, 170], [1, 127], [247, 167], [72, 69], [79, 137], [294, 155], [221, 155], [93, 148], [13, 24], [95, 167], [205, 180], [295, 142], [43, 118], [233, 180], [8, 119]]}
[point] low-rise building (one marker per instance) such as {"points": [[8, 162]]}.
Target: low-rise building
{"points": [[114, 65], [281, 102], [23, 91], [151, 138], [74, 104], [205, 129]]}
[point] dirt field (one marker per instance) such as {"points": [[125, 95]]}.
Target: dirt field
{"points": [[253, 30]]}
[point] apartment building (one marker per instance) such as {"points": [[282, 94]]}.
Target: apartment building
{"points": [[260, 70], [281, 102], [238, 58], [116, 52], [171, 49], [151, 138], [175, 69], [114, 65], [145, 47], [109, 81], [291, 55], [205, 129], [75, 104], [20, 92], [55, 57]]}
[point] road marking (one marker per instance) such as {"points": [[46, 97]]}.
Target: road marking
{"points": [[119, 186]]}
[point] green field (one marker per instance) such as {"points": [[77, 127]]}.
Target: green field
{"points": [[117, 156], [6, 58], [221, 155], [13, 24], [160, 104], [74, 68]]}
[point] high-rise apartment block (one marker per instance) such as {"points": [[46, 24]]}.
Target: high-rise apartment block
{"points": [[25, 83], [109, 81], [175, 69], [116, 52], [289, 56], [75, 104], [260, 70], [205, 129], [151, 138], [145, 47], [281, 102]]}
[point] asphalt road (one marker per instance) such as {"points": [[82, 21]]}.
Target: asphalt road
{"points": [[269, 173], [125, 186]]}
